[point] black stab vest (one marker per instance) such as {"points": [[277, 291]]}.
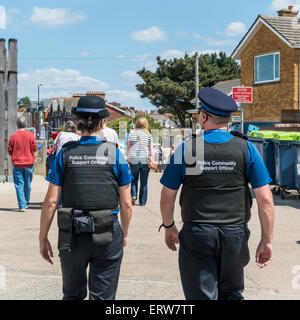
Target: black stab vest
{"points": [[89, 182], [217, 192]]}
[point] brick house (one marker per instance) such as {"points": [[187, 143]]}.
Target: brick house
{"points": [[270, 63]]}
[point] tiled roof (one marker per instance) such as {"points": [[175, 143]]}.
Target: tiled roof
{"points": [[226, 86], [288, 27]]}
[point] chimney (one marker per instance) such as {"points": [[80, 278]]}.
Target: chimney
{"points": [[290, 12]]}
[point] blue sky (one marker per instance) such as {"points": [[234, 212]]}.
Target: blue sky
{"points": [[72, 46]]}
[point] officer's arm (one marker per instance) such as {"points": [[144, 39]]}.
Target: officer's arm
{"points": [[48, 210], [167, 204], [265, 205], [126, 207]]}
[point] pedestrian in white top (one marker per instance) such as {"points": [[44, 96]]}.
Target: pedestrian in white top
{"points": [[67, 135], [139, 147], [108, 134]]}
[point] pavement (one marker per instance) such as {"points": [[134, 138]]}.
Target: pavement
{"points": [[149, 270]]}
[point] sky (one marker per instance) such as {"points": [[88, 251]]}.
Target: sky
{"points": [[74, 46]]}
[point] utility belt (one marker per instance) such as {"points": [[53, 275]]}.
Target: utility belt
{"points": [[74, 222]]}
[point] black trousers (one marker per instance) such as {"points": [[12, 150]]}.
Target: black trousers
{"points": [[212, 260], [104, 267]]}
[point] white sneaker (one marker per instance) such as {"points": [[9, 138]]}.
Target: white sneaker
{"points": [[21, 210]]}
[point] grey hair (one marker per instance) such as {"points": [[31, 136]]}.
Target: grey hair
{"points": [[21, 122], [70, 127]]}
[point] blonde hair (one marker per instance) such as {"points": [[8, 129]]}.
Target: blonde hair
{"points": [[142, 123]]}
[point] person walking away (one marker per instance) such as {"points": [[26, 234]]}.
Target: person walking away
{"points": [[68, 134], [160, 158], [93, 178], [214, 170], [139, 147], [109, 134], [22, 148]]}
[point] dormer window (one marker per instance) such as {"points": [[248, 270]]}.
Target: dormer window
{"points": [[267, 68]]}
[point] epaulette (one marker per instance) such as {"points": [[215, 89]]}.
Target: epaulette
{"points": [[238, 134]]}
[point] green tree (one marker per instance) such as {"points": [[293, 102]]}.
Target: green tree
{"points": [[172, 86], [116, 124], [25, 101]]}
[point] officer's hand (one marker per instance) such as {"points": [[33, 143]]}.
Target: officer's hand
{"points": [[45, 250], [263, 254], [171, 238]]}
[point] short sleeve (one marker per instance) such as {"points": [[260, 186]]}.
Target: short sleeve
{"points": [[55, 174], [257, 173], [121, 170], [174, 174]]}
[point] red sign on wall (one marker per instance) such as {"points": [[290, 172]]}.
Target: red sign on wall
{"points": [[242, 94]]}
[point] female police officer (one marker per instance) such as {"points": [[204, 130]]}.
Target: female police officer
{"points": [[93, 178]]}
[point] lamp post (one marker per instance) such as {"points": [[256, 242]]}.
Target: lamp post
{"points": [[39, 117]]}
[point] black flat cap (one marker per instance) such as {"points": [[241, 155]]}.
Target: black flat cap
{"points": [[216, 102], [91, 105]]}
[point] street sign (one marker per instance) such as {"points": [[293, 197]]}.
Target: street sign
{"points": [[236, 119], [242, 94]]}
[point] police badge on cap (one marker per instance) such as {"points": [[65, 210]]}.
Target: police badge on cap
{"points": [[91, 106]]}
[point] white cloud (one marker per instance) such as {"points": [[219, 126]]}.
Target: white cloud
{"points": [[85, 53], [197, 36], [124, 97], [235, 29], [51, 18], [2, 17], [213, 42], [181, 34], [150, 65], [153, 34], [284, 4], [57, 83], [201, 51], [171, 54], [14, 11], [131, 77]]}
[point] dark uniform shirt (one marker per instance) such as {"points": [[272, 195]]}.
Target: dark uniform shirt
{"points": [[257, 173]]}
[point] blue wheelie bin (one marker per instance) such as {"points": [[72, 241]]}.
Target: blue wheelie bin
{"points": [[284, 160], [263, 141], [297, 163]]}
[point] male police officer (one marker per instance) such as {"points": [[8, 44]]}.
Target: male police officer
{"points": [[215, 204], [94, 179]]}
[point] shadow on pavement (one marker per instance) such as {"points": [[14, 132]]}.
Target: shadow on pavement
{"points": [[31, 206], [35, 205], [9, 209]]}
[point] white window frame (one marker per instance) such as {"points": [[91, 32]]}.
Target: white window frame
{"points": [[263, 55]]}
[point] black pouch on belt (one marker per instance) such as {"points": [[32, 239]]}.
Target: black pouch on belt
{"points": [[65, 225], [103, 221]]}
